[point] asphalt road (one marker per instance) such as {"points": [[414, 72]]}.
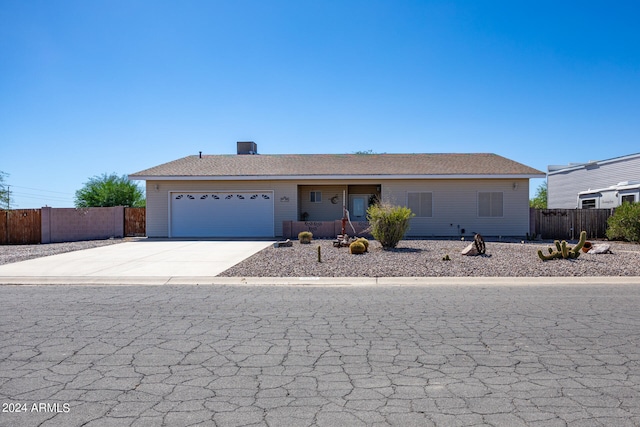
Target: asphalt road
{"points": [[564, 355]]}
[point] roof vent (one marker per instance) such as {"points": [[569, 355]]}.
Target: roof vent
{"points": [[247, 147]]}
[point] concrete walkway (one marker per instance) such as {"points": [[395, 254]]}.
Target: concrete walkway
{"points": [[315, 281]]}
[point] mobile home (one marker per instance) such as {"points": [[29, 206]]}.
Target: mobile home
{"points": [[564, 183], [610, 197]]}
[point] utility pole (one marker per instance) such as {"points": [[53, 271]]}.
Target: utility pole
{"points": [[8, 197]]}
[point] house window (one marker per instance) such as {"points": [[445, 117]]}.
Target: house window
{"points": [[315, 196], [490, 204], [629, 198], [588, 203], [421, 204]]}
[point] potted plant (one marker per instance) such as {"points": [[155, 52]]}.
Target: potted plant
{"points": [[586, 247]]}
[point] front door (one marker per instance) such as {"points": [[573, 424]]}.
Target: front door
{"points": [[358, 204]]}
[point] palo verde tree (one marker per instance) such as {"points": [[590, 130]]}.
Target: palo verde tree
{"points": [[109, 190]]}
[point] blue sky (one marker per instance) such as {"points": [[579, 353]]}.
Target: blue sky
{"points": [[93, 87]]}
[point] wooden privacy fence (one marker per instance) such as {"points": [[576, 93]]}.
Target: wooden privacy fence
{"points": [[25, 226], [568, 223], [135, 222], [20, 226]]}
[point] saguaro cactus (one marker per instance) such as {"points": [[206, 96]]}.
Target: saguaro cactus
{"points": [[563, 250]]}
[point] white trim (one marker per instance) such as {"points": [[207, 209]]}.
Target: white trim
{"points": [[322, 177]]}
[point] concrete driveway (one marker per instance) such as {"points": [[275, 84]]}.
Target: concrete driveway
{"points": [[138, 259]]}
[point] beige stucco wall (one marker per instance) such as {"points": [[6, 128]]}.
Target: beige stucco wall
{"points": [[454, 203], [455, 206]]}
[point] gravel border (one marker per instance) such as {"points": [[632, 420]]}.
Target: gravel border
{"points": [[17, 253], [424, 258]]}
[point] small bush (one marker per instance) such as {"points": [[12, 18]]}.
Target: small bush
{"points": [[388, 223], [305, 236], [624, 224], [357, 248]]}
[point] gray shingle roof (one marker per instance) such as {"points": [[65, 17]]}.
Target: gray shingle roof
{"points": [[346, 165]]}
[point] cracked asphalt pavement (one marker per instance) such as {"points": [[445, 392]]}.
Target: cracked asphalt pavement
{"points": [[307, 355]]}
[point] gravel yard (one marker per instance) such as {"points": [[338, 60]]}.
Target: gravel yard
{"points": [[15, 253], [424, 258]]}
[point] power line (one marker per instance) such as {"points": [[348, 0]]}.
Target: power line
{"points": [[38, 189], [40, 196]]}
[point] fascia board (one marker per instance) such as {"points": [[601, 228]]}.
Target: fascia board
{"points": [[323, 177], [567, 169], [570, 168]]}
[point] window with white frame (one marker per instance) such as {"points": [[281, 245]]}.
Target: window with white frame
{"points": [[421, 204], [315, 196], [490, 204], [588, 203]]}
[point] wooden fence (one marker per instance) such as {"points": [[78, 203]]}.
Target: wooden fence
{"points": [[24, 226], [135, 222], [568, 223], [20, 226]]}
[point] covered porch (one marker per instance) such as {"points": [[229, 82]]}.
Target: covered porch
{"points": [[320, 209], [325, 202]]}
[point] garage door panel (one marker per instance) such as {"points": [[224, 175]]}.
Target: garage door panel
{"points": [[222, 214]]}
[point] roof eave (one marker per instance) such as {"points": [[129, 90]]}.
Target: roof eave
{"points": [[325, 177]]}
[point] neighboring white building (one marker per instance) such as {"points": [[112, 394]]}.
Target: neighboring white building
{"points": [[602, 183], [256, 195], [610, 197]]}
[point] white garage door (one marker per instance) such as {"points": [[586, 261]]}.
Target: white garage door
{"points": [[222, 214]]}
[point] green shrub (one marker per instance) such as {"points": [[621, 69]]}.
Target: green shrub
{"points": [[388, 223], [624, 224], [357, 248]]}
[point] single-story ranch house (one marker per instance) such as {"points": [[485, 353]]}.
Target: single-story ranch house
{"points": [[256, 195]]}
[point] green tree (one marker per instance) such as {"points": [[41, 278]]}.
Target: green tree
{"points": [[539, 201], [109, 190], [4, 192]]}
